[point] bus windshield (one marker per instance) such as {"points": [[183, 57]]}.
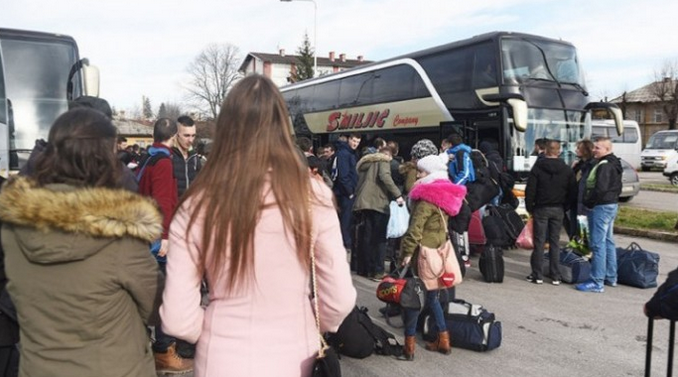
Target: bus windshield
{"points": [[36, 79], [566, 126], [524, 60]]}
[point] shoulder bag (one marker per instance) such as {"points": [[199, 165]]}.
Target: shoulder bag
{"points": [[439, 267], [326, 363]]}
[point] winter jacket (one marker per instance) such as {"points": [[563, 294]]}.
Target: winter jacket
{"points": [[581, 171], [427, 226], [551, 183], [409, 171], [267, 329], [664, 302], [158, 182], [376, 188], [346, 175], [398, 178], [83, 281], [463, 174], [604, 182], [185, 170]]}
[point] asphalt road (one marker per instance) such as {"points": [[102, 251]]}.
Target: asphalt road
{"points": [[547, 330], [654, 200]]}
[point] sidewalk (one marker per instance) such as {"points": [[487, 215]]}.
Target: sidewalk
{"points": [[652, 234]]}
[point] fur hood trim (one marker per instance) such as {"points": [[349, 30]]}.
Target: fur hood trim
{"points": [[441, 193], [97, 212], [374, 157]]}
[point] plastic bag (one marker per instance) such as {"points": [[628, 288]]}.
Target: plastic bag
{"points": [[398, 222], [526, 238]]}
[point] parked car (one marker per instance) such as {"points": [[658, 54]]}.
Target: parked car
{"points": [[661, 148], [671, 170], [630, 182]]}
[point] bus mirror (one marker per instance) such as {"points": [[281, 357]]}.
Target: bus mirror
{"points": [[91, 79], [519, 107], [613, 110]]}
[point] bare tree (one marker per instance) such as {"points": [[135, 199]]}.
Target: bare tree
{"points": [[665, 88], [213, 72], [170, 110]]}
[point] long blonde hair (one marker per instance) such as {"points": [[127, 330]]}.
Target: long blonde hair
{"points": [[252, 145]]}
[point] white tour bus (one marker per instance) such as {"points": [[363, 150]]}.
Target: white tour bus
{"points": [[627, 146]]}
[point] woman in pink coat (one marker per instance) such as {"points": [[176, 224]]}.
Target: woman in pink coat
{"points": [[245, 224]]}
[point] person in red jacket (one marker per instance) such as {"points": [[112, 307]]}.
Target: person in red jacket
{"points": [[156, 179]]}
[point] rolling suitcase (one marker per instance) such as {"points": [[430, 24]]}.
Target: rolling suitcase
{"points": [[476, 233], [648, 350], [491, 264]]}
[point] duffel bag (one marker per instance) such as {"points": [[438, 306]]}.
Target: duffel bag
{"points": [[637, 267], [573, 268], [470, 326]]}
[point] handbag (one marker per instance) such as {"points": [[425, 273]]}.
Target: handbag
{"points": [[398, 221], [407, 292], [326, 363], [439, 267], [526, 238]]}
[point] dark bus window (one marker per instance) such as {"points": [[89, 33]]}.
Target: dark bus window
{"points": [[398, 83], [326, 96], [449, 70], [3, 96], [356, 90], [484, 66]]}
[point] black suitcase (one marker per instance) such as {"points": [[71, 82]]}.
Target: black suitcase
{"points": [[491, 264], [648, 350]]}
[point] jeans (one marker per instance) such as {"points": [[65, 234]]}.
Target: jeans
{"points": [[345, 219], [601, 242], [547, 222], [372, 243], [433, 303], [162, 340]]}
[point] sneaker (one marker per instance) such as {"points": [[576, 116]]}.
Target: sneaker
{"points": [[170, 361], [467, 263], [377, 277], [555, 282], [610, 283], [534, 280], [589, 286]]}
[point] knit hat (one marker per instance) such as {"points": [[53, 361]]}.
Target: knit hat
{"points": [[432, 164], [423, 148]]}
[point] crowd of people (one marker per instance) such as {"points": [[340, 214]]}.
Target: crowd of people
{"points": [[178, 263]]}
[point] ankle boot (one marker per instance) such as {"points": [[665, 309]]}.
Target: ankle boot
{"points": [[408, 350], [170, 361], [442, 344]]}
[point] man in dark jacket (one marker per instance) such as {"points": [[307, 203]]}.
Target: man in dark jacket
{"points": [[603, 186], [345, 184], [550, 188], [185, 160]]}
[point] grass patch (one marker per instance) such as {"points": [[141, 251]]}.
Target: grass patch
{"points": [[657, 187], [644, 219]]}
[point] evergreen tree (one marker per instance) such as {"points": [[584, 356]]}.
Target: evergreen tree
{"points": [[304, 64], [147, 110], [162, 111]]}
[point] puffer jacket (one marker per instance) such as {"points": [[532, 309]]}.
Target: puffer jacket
{"points": [[82, 278], [430, 200], [376, 188]]}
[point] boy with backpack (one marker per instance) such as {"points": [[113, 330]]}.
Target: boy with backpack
{"points": [[460, 167]]}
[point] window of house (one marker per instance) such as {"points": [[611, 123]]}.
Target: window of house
{"points": [[658, 115], [638, 116]]}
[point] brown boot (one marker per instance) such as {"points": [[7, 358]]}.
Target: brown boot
{"points": [[171, 362], [442, 344], [408, 350]]}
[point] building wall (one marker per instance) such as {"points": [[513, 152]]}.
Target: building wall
{"points": [[644, 114]]}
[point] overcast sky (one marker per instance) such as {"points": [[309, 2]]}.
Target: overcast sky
{"points": [[142, 47]]}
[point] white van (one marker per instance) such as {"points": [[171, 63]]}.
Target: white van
{"points": [[659, 149], [628, 146]]}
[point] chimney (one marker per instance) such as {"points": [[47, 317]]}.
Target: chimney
{"points": [[342, 57], [282, 52], [360, 58], [331, 56]]}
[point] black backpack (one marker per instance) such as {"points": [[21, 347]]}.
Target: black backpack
{"points": [[359, 337]]}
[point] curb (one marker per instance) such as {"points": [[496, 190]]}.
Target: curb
{"points": [[652, 234]]}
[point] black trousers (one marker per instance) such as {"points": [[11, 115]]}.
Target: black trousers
{"points": [[372, 243], [547, 224], [9, 361]]}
